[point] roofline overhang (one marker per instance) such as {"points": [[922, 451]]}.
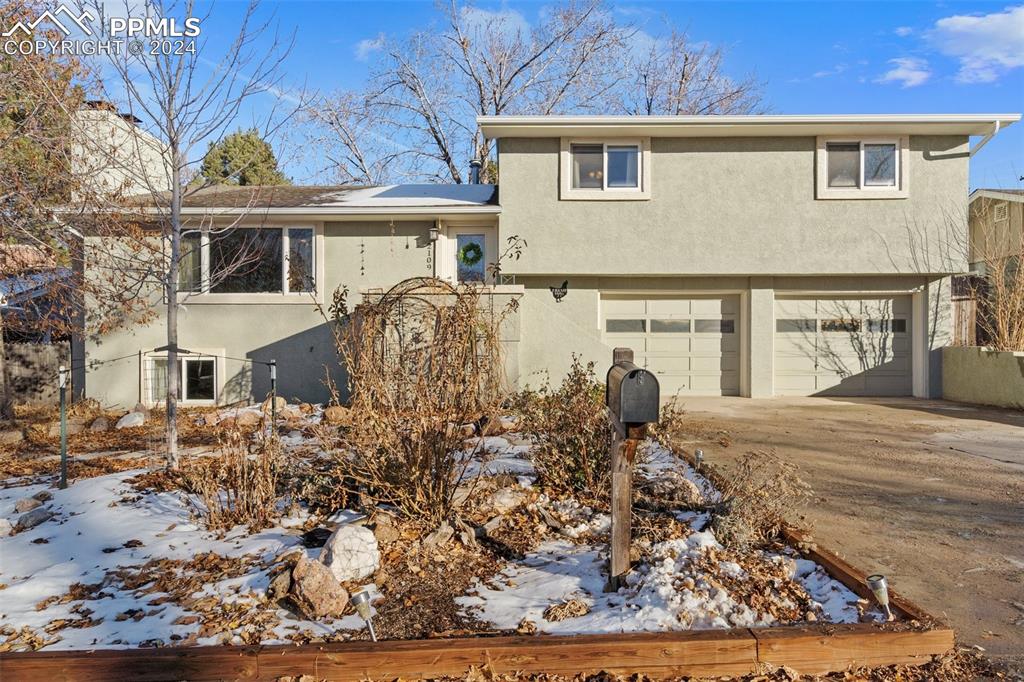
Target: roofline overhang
{"points": [[495, 127], [332, 213], [994, 194]]}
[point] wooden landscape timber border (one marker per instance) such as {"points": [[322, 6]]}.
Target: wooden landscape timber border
{"points": [[808, 649]]}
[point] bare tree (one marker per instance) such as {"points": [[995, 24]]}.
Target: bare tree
{"points": [[426, 91], [678, 77], [190, 96]]}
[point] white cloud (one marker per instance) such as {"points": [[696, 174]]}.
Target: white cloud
{"points": [[903, 31], [834, 71], [909, 72], [987, 45], [364, 48], [506, 21]]}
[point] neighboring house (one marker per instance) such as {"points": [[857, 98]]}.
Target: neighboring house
{"points": [[995, 233], [736, 255]]}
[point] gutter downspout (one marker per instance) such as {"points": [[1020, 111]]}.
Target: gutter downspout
{"points": [[995, 130]]}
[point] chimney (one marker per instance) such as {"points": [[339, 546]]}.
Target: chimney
{"points": [[474, 172]]}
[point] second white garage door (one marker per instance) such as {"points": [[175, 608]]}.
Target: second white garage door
{"points": [[843, 346], [691, 344]]}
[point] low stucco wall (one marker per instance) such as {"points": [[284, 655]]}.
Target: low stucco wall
{"points": [[986, 377]]}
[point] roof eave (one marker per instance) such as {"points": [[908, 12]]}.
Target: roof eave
{"points": [[495, 127]]}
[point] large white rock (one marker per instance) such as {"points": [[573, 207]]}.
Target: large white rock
{"points": [[131, 419], [5, 528], [351, 553]]}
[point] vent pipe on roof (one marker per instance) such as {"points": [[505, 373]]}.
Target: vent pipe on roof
{"points": [[474, 172]]}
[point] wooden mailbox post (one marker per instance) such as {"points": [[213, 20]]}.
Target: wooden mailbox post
{"points": [[632, 398]]}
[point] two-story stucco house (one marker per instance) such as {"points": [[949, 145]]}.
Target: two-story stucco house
{"points": [[737, 255]]}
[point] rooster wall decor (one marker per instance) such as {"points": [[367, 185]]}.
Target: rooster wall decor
{"points": [[560, 292]]}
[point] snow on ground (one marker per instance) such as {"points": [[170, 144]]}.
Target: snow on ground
{"points": [[87, 540], [104, 513], [663, 595]]}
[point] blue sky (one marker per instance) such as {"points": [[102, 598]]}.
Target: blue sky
{"points": [[813, 57]]}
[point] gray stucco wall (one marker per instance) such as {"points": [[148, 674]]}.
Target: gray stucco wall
{"points": [[733, 206], [976, 375], [357, 255]]}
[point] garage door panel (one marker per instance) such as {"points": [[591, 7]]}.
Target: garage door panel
{"points": [[670, 344], [676, 364], [867, 355], [668, 307], [624, 306], [690, 343]]}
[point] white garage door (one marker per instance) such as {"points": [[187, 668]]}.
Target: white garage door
{"points": [[842, 346], [691, 344]]}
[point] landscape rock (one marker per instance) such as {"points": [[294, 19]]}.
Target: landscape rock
{"points": [[27, 504], [12, 437], [140, 407], [43, 496], [467, 430], [385, 530], [5, 528], [316, 591], [505, 500], [279, 404], [351, 553], [439, 537], [247, 419], [32, 519], [291, 413], [130, 420], [211, 418], [280, 586], [674, 487], [335, 414], [99, 424], [510, 422], [75, 425], [306, 408]]}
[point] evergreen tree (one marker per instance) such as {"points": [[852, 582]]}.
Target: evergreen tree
{"points": [[242, 158]]}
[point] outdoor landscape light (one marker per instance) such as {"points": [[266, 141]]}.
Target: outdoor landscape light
{"points": [[361, 600], [880, 589]]}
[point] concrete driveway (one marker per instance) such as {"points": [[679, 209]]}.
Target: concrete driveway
{"points": [[930, 493]]}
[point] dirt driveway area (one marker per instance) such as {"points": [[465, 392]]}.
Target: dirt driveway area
{"points": [[930, 493]]}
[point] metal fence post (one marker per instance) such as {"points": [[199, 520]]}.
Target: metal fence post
{"points": [[63, 379], [273, 395]]}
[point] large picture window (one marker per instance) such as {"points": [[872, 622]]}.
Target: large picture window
{"points": [[249, 261]]}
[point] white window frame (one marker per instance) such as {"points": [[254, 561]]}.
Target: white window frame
{"points": [[146, 373], [900, 190], [641, 192], [205, 295]]}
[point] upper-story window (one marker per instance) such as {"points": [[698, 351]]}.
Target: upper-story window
{"points": [[862, 169], [248, 261], [605, 169]]}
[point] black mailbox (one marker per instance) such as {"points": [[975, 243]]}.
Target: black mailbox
{"points": [[632, 394]]}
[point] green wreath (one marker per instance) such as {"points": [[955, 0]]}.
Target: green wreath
{"points": [[470, 254]]}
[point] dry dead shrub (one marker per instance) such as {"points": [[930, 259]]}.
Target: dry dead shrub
{"points": [[572, 431], [240, 485], [423, 359], [758, 495]]}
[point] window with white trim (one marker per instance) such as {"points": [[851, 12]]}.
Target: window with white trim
{"points": [[245, 260], [613, 169], [862, 168], [197, 381], [600, 166]]}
